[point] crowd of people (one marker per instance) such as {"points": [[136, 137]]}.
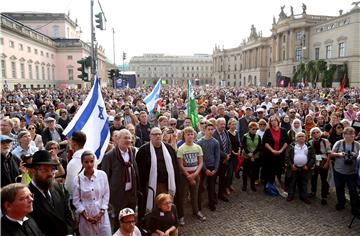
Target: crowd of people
{"points": [[279, 140]]}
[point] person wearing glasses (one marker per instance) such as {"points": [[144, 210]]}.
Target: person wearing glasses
{"points": [[345, 152], [53, 148], [163, 219], [250, 150], [158, 171], [51, 204], [300, 159], [16, 204], [35, 137], [127, 220], [25, 144], [322, 148], [336, 133]]}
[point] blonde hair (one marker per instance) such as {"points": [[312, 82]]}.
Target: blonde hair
{"points": [[161, 198]]}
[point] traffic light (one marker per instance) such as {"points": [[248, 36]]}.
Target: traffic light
{"points": [[117, 73], [99, 21], [111, 74], [124, 56], [85, 63]]}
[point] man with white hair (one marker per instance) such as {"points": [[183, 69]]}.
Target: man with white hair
{"points": [[158, 171], [120, 166]]}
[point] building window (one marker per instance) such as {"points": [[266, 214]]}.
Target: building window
{"points": [[298, 36], [21, 47], [41, 53], [11, 44], [22, 70], [298, 53], [52, 56], [30, 71], [42, 72], [342, 49], [3, 68], [48, 73], [284, 39], [69, 57], [283, 56], [35, 51], [47, 55], [317, 53], [28, 49], [37, 72], [2, 41], [13, 69], [328, 51], [53, 73], [71, 74]]}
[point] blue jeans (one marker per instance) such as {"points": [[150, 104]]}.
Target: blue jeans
{"points": [[350, 181]]}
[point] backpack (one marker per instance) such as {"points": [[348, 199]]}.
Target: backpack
{"points": [[271, 190]]}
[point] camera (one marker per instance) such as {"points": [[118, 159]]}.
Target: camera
{"points": [[348, 158], [170, 131]]}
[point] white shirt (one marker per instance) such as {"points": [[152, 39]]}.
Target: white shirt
{"points": [[126, 157], [73, 168], [135, 233], [300, 155], [21, 222]]}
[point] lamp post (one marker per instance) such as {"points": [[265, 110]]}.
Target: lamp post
{"points": [[303, 48]]}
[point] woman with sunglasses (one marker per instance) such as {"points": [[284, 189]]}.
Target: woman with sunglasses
{"points": [[35, 137], [336, 133], [250, 150]]}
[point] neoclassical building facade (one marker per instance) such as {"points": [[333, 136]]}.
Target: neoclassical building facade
{"points": [[295, 38], [41, 50], [172, 69]]}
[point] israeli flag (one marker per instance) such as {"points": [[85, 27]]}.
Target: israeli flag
{"points": [[153, 97], [91, 118]]}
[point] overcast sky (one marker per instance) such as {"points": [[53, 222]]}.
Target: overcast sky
{"points": [[176, 27]]}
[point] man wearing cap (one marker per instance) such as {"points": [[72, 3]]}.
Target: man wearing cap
{"points": [[24, 146], [51, 205], [117, 124], [53, 132], [9, 162], [127, 220]]}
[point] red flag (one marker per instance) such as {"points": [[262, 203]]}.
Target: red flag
{"points": [[342, 86], [282, 83]]}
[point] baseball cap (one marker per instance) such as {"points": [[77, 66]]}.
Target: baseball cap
{"points": [[126, 212]]}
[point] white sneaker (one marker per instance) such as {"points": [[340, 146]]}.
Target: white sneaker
{"points": [[200, 216]]}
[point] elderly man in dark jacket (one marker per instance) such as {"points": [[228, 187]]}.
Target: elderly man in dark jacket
{"points": [[120, 167], [9, 162]]}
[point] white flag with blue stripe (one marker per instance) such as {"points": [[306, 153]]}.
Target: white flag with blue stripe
{"points": [[92, 119], [153, 97]]}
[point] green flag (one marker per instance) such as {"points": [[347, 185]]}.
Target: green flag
{"points": [[191, 106]]}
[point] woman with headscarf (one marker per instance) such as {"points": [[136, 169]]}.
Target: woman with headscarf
{"points": [[295, 128]]}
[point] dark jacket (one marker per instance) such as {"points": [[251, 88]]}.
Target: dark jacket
{"points": [[46, 135], [11, 228], [143, 160], [9, 169], [268, 138], [114, 168], [52, 220], [216, 135]]}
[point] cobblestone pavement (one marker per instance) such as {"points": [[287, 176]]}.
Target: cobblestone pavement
{"points": [[250, 213]]}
